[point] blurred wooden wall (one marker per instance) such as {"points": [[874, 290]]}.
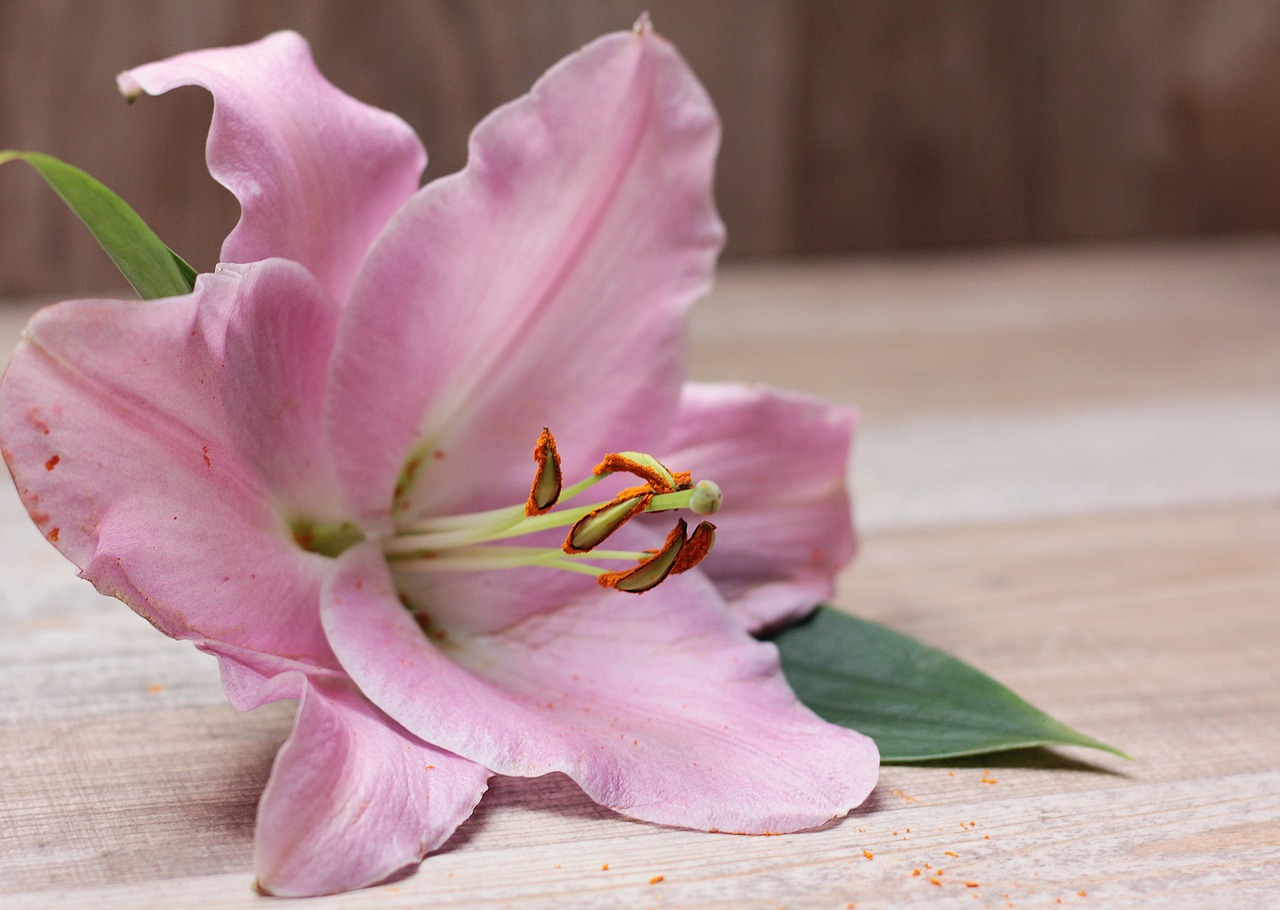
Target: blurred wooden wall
{"points": [[849, 124]]}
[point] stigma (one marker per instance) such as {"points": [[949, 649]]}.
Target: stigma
{"points": [[481, 541]]}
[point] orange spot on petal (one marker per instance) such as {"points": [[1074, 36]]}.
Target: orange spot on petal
{"points": [[34, 416]]}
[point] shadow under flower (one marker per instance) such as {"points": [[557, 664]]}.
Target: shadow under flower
{"points": [[551, 794], [1034, 758]]}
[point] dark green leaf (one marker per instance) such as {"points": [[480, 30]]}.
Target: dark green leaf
{"points": [[151, 267], [915, 701]]}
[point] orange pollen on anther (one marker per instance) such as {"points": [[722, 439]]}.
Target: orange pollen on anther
{"points": [[653, 571], [642, 490], [545, 491], [695, 548], [594, 528], [615, 463]]}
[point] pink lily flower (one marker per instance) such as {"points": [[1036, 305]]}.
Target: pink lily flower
{"points": [[316, 466]]}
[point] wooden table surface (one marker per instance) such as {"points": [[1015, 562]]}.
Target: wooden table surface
{"points": [[1068, 474]]}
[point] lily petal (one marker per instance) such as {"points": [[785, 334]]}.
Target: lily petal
{"points": [[543, 285], [353, 798], [161, 446], [317, 173], [659, 706], [782, 460]]}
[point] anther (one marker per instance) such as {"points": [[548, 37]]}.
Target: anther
{"points": [[654, 570], [545, 491], [594, 528], [646, 467], [695, 548]]}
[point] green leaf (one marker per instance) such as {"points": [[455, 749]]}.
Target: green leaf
{"points": [[152, 268], [915, 701]]}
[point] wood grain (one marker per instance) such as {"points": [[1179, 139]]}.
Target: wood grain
{"points": [[128, 782], [993, 333], [847, 126], [440, 64]]}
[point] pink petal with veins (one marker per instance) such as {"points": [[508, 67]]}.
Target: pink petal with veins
{"points": [[543, 285], [658, 705], [353, 798], [162, 446], [316, 172], [781, 461]]}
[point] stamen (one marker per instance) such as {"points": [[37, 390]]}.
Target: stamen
{"points": [[646, 467], [545, 491], [473, 542], [695, 548], [653, 571], [595, 527], [476, 558]]}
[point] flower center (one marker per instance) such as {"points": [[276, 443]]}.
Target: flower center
{"points": [[328, 538], [478, 541]]}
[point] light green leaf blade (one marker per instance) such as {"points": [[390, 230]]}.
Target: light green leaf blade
{"points": [[916, 702], [151, 267]]}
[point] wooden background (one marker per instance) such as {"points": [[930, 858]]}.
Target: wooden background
{"points": [[849, 124]]}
